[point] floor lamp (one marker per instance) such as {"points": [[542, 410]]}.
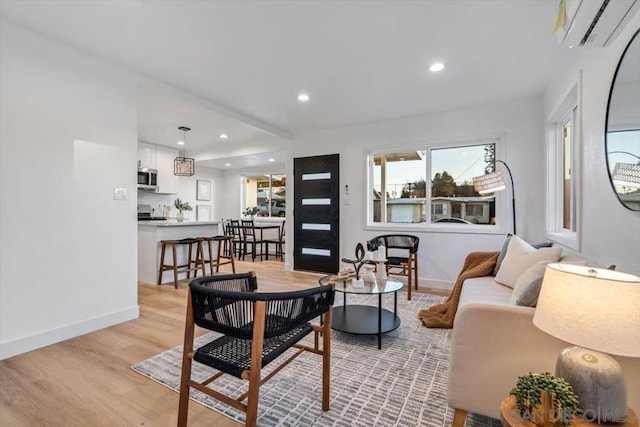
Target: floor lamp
{"points": [[494, 181]]}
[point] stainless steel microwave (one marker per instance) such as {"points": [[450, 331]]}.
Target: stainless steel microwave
{"points": [[147, 179]]}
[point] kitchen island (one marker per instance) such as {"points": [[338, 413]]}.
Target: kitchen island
{"points": [[151, 233]]}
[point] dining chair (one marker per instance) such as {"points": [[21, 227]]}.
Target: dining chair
{"points": [[256, 328], [235, 231], [279, 243], [249, 238], [401, 255]]}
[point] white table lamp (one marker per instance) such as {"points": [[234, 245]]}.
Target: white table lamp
{"points": [[598, 310]]}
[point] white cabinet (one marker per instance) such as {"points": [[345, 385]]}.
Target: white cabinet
{"points": [[167, 181], [146, 155]]}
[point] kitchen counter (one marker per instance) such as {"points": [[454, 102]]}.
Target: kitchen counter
{"points": [[151, 233], [174, 223]]}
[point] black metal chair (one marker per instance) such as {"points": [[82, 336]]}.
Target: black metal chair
{"points": [[279, 243], [257, 328], [235, 231], [249, 238], [401, 255]]}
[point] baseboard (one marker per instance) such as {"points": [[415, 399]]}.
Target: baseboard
{"points": [[52, 336], [435, 284]]}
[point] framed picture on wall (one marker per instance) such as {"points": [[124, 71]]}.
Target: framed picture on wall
{"points": [[203, 213], [203, 189]]}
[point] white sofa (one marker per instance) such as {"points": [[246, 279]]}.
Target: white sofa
{"points": [[493, 342]]}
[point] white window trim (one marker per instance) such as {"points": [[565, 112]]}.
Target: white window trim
{"points": [[555, 230], [502, 205]]}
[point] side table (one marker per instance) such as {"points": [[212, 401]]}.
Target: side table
{"points": [[511, 418]]}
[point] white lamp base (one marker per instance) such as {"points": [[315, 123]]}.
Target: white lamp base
{"points": [[597, 380]]}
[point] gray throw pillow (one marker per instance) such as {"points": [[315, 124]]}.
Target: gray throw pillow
{"points": [[530, 294], [503, 252]]}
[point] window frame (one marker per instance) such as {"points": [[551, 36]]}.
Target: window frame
{"points": [[568, 108], [428, 226], [243, 192]]}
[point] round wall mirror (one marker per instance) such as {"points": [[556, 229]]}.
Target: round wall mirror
{"points": [[623, 127]]}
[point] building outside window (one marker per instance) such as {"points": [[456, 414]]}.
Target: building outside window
{"points": [[400, 194], [267, 193]]}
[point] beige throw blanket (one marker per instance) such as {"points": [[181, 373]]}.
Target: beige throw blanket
{"points": [[476, 264]]}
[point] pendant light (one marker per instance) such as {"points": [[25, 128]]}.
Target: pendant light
{"points": [[183, 166]]}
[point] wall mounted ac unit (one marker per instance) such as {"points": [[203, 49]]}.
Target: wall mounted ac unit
{"points": [[594, 23]]}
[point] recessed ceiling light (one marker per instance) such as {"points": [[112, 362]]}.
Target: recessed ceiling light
{"points": [[180, 142], [227, 164], [436, 66], [224, 136], [303, 97], [272, 160]]}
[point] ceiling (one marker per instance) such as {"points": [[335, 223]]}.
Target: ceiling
{"points": [[237, 67]]}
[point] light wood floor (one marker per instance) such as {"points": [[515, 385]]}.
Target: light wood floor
{"points": [[88, 379]]}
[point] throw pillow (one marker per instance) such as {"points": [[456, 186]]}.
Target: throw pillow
{"points": [[503, 252], [527, 288], [520, 257]]}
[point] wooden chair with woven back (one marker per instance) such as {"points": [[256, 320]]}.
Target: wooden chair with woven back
{"points": [[401, 254], [257, 328]]}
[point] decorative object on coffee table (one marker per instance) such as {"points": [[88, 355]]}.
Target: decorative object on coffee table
{"points": [[597, 310], [357, 265]]}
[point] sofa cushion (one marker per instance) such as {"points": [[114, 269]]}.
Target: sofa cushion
{"points": [[520, 257], [527, 288], [484, 290]]}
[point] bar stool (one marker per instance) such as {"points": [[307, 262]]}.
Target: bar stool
{"points": [[192, 264], [223, 256]]}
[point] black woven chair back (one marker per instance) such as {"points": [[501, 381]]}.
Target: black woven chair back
{"points": [[395, 241], [225, 304]]}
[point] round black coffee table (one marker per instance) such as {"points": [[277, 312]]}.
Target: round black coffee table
{"points": [[365, 319]]}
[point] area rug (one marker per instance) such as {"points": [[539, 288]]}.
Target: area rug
{"points": [[404, 384]]}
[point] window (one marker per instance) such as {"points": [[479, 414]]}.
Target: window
{"points": [[267, 193], [563, 172], [399, 191]]}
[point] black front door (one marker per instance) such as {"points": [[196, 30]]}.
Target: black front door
{"points": [[316, 213]]}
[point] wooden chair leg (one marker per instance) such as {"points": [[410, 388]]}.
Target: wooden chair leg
{"points": [[326, 361], [163, 247], [459, 418], [256, 363], [415, 270], [175, 266], [183, 407], [409, 284]]}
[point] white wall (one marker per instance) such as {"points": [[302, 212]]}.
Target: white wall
{"points": [[610, 232], [187, 193], [68, 138], [441, 254]]}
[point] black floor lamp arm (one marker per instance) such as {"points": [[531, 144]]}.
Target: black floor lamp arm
{"points": [[513, 195]]}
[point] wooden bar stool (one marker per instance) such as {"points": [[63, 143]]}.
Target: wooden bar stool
{"points": [[192, 264], [224, 254]]}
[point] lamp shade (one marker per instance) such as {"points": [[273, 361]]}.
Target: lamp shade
{"points": [[626, 175], [489, 183], [590, 307]]}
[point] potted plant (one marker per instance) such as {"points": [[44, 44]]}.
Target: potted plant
{"points": [[181, 206], [251, 211], [545, 400]]}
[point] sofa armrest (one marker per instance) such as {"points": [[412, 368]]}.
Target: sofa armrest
{"points": [[492, 345]]}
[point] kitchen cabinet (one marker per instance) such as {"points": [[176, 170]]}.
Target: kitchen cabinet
{"points": [[146, 155], [164, 159]]}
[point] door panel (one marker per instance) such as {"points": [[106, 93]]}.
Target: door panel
{"points": [[316, 213]]}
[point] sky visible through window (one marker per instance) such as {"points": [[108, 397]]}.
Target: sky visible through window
{"points": [[463, 163]]}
